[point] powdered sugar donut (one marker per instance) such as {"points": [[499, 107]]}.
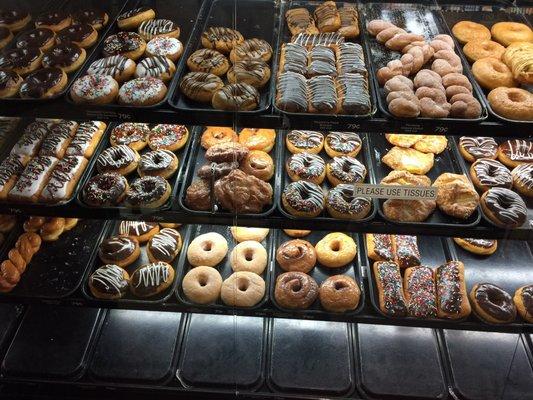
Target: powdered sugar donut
{"points": [[164, 46], [142, 91], [94, 89], [119, 67], [157, 67]]}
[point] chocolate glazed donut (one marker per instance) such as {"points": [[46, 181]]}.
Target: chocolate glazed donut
{"points": [[495, 302], [305, 197], [504, 207], [105, 189], [527, 299], [62, 55], [39, 83], [147, 190], [295, 290], [306, 166], [75, 33], [116, 248], [19, 58], [492, 173], [34, 38], [346, 169]]}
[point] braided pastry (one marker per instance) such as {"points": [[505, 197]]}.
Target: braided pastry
{"points": [[18, 258], [52, 229]]}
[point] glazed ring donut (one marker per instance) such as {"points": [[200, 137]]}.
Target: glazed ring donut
{"points": [[128, 44], [296, 255], [523, 179], [306, 166], [259, 164], [256, 49], [107, 189], [14, 20], [145, 91], [148, 192], [202, 285], [509, 32], [249, 256], [258, 139], [119, 159], [83, 35], [208, 60], [303, 199], [477, 49], [345, 169], [216, 135], [119, 67], [236, 97], [94, 89], [487, 173], [168, 137], [243, 289], [339, 293], [221, 39], [512, 103], [465, 31], [208, 249], [200, 86], [67, 56], [492, 73], [504, 207], [343, 203], [253, 72], [43, 83], [335, 250], [295, 290], [156, 67]]}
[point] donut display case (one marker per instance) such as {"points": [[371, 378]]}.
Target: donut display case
{"points": [[267, 199]]}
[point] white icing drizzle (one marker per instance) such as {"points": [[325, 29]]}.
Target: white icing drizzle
{"points": [[153, 66], [111, 277], [523, 175], [136, 228], [520, 150], [113, 65], [152, 275], [154, 27], [165, 242]]}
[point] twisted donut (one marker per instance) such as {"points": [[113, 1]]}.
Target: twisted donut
{"points": [[18, 258]]}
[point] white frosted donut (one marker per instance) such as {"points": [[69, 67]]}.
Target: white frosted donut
{"points": [[119, 67], [157, 67], [249, 256], [240, 234], [208, 249], [142, 91], [243, 289], [202, 285], [165, 46], [94, 89]]}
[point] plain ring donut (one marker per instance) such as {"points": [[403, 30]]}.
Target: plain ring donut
{"points": [[208, 249], [512, 103], [249, 256], [243, 289], [202, 285], [335, 250]]}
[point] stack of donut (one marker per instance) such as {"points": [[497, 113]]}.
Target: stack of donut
{"points": [[502, 60], [37, 64], [437, 92], [225, 52], [136, 65]]}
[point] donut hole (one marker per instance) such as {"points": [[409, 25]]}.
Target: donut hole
{"points": [[340, 285], [335, 245], [249, 255], [243, 285], [207, 246], [296, 287]]}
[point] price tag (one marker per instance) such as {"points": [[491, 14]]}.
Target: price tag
{"points": [[326, 125], [411, 128], [400, 192]]}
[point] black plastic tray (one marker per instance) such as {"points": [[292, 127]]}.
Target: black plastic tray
{"points": [[174, 181], [487, 365], [252, 18], [421, 18], [509, 267], [285, 37], [311, 358], [223, 352], [56, 270], [197, 160], [9, 318], [488, 16], [320, 273], [123, 353], [84, 175], [399, 349], [112, 228], [433, 252], [112, 8], [224, 267], [363, 157], [52, 343], [9, 128], [184, 13], [526, 226], [444, 162]]}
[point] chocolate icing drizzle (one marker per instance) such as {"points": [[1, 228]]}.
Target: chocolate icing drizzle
{"points": [[343, 199], [117, 248], [305, 139], [63, 173], [343, 142], [479, 147], [322, 94], [11, 166], [347, 169], [113, 65], [527, 299], [304, 196]]}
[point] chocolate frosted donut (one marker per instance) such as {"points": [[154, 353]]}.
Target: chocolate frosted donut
{"points": [[494, 301], [35, 38], [523, 179], [342, 202], [342, 143], [9, 80], [121, 42], [19, 58], [504, 207], [252, 49], [527, 300], [109, 280], [155, 162], [62, 55], [251, 71], [117, 248], [75, 33], [304, 197], [165, 245], [295, 290], [51, 18], [94, 17], [10, 17], [105, 189], [517, 150], [37, 84], [136, 228], [147, 191], [488, 173], [345, 169], [479, 147], [485, 243], [300, 140], [306, 166]]}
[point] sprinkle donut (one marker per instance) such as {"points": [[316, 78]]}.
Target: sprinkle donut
{"points": [[94, 89], [145, 91], [171, 48]]}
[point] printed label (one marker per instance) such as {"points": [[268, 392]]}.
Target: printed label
{"points": [[396, 192]]}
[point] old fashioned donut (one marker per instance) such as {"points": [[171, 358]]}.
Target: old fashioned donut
{"points": [[243, 289], [509, 32], [242, 234], [492, 304], [249, 256], [296, 255], [303, 199], [504, 207], [202, 285], [208, 249], [492, 73], [512, 103], [465, 31], [342, 202], [339, 293], [477, 49], [295, 290], [200, 86], [107, 189], [335, 250]]}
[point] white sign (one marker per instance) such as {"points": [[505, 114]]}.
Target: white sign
{"points": [[396, 192]]}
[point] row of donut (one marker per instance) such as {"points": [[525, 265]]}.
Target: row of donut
{"points": [[38, 60]]}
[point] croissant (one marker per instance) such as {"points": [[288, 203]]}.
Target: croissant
{"points": [[18, 258]]}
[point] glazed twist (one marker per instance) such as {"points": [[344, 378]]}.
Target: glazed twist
{"points": [[18, 258]]}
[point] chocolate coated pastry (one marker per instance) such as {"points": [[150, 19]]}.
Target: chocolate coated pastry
{"points": [[39, 83], [34, 38], [226, 152], [242, 193], [217, 170], [62, 55], [492, 303], [198, 196]]}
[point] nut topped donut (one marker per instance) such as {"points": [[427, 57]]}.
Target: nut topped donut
{"points": [[251, 49], [221, 38]]}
